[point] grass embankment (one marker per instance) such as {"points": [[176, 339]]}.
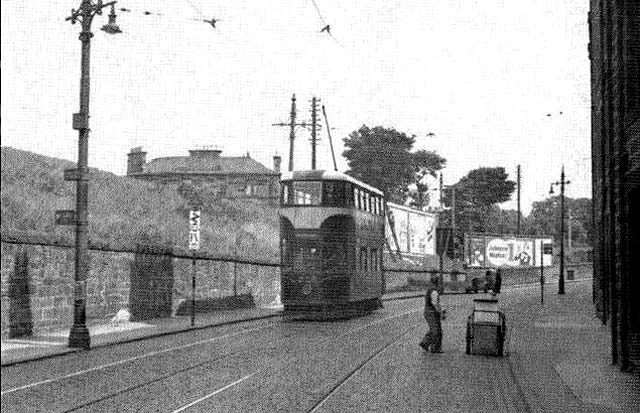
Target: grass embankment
{"points": [[126, 212]]}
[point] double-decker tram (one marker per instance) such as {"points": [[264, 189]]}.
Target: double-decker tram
{"points": [[331, 240]]}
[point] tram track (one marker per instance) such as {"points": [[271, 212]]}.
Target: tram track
{"points": [[130, 360], [355, 371], [317, 344], [172, 375]]}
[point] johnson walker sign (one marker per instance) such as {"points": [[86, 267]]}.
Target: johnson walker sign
{"points": [[483, 250]]}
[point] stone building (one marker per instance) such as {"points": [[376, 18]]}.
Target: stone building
{"points": [[614, 51], [235, 176]]}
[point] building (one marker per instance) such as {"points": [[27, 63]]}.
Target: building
{"points": [[234, 176], [614, 51]]}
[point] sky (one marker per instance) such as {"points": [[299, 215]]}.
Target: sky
{"points": [[481, 75]]}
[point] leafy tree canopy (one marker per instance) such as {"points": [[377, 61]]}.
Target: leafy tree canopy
{"points": [[544, 219], [477, 195], [382, 158]]}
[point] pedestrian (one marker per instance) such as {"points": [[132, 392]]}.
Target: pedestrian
{"points": [[498, 282], [487, 280], [432, 341]]}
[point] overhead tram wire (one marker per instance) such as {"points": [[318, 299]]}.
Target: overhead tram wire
{"points": [[197, 10], [212, 21], [326, 26]]}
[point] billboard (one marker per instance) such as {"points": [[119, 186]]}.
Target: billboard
{"points": [[484, 250], [415, 230]]}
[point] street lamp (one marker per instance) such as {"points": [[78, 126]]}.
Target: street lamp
{"points": [[562, 183], [79, 334]]}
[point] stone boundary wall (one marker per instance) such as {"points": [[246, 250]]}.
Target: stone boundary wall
{"points": [[50, 275]]}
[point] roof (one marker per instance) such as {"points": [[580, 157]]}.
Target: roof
{"points": [[322, 175], [221, 165]]}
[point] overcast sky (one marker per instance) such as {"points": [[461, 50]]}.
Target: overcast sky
{"points": [[480, 74]]}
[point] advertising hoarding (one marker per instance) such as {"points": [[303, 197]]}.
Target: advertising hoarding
{"points": [[484, 250], [415, 230]]}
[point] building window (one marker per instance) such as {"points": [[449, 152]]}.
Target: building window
{"points": [[250, 190]]}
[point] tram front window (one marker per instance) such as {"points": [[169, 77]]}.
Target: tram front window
{"points": [[306, 193]]}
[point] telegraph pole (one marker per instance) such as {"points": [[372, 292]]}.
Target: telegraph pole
{"points": [[518, 179], [314, 127], [561, 279], [292, 129]]}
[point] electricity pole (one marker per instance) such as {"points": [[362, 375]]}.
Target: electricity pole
{"points": [[292, 131], [518, 179], [314, 127]]}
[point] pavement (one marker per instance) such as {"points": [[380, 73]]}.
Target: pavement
{"points": [[557, 353], [560, 353]]}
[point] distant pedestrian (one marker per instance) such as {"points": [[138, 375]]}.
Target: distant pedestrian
{"points": [[432, 341], [498, 282], [487, 281]]}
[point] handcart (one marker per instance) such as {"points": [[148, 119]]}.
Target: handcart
{"points": [[486, 328]]}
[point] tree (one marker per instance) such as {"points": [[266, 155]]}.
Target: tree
{"points": [[477, 196], [544, 219], [425, 166], [382, 158]]}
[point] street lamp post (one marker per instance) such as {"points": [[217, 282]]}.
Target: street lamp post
{"points": [[79, 334], [562, 184]]}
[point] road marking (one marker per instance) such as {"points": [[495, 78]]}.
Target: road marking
{"points": [[213, 394], [116, 363]]}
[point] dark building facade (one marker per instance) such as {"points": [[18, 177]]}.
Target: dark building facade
{"points": [[233, 176], [614, 51]]}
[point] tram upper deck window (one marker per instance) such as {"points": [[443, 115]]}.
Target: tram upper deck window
{"points": [[334, 194], [302, 193]]}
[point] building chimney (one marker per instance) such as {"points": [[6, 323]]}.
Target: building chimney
{"points": [[277, 160], [136, 160], [205, 153]]}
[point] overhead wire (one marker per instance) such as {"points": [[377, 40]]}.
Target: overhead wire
{"points": [[327, 27]]}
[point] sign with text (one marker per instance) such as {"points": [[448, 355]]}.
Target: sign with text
{"points": [[507, 251], [194, 230]]}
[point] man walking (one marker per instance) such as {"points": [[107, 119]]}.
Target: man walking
{"points": [[432, 341]]}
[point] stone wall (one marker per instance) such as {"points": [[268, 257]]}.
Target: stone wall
{"points": [[50, 274]]}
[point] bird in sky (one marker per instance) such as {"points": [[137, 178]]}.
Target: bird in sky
{"points": [[326, 28], [431, 134]]}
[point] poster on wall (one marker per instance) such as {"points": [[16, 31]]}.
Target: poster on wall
{"points": [[506, 251], [415, 230]]}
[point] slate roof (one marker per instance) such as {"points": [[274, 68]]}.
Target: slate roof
{"points": [[221, 165]]}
